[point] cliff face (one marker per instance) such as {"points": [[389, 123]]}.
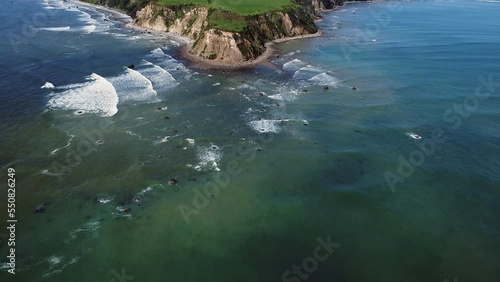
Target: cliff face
{"points": [[193, 21], [227, 47]]}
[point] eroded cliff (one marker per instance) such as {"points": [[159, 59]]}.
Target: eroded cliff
{"points": [[230, 45]]}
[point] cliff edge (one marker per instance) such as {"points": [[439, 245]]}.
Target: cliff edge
{"points": [[225, 36]]}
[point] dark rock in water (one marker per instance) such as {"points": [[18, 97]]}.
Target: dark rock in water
{"points": [[166, 118], [305, 90], [149, 32], [172, 181], [106, 20], [354, 89], [127, 209], [326, 87], [131, 66], [261, 94], [41, 208]]}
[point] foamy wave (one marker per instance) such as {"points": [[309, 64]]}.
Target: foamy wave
{"points": [[88, 28], [325, 79], [58, 28], [265, 125], [160, 77], [47, 85], [284, 93], [294, 65], [306, 72], [95, 96], [133, 86]]}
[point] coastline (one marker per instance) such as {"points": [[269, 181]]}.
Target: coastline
{"points": [[202, 63], [183, 51]]}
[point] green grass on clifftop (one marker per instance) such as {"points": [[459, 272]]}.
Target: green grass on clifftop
{"points": [[242, 7]]}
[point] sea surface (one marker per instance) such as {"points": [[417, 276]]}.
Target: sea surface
{"points": [[396, 166]]}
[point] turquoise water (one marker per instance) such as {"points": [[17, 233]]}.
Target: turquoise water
{"points": [[279, 171]]}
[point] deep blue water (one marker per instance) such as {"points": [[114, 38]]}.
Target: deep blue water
{"points": [[397, 162]]}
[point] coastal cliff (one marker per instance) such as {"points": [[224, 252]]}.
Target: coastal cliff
{"points": [[222, 36]]}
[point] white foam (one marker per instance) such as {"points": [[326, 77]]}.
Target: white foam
{"points": [[54, 260], [325, 79], [294, 65], [58, 28], [190, 141], [216, 84], [265, 125], [65, 146], [306, 72], [208, 157], [97, 95], [159, 77], [413, 135], [163, 140], [104, 200], [88, 28], [133, 86], [285, 93], [276, 97], [89, 227], [47, 85]]}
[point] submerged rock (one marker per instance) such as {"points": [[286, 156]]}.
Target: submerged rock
{"points": [[131, 66], [172, 181], [41, 208]]}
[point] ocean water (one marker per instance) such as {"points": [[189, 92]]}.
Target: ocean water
{"points": [[396, 163]]}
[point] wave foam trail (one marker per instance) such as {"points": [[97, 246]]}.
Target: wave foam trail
{"points": [[88, 28], [325, 79], [97, 95], [55, 28], [307, 72], [133, 86], [265, 125], [294, 65], [284, 93], [160, 78]]}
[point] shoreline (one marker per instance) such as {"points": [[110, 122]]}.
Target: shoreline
{"points": [[183, 51], [262, 59]]}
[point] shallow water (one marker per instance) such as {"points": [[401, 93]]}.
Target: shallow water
{"points": [[279, 169]]}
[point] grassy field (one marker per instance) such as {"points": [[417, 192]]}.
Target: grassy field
{"points": [[241, 7]]}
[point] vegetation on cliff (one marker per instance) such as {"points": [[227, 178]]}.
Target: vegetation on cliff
{"points": [[226, 31]]}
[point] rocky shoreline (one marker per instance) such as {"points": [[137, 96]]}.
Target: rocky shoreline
{"points": [[207, 48]]}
